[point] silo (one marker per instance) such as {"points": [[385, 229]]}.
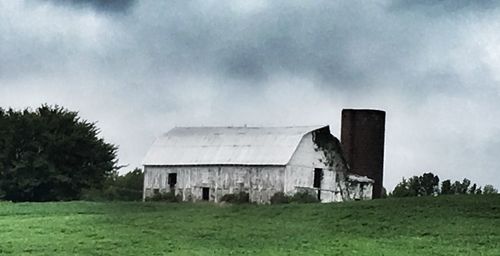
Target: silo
{"points": [[362, 138]]}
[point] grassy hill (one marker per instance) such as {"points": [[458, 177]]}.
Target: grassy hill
{"points": [[448, 225]]}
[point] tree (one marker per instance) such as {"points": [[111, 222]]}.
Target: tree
{"points": [[415, 188], [401, 189], [472, 189], [429, 184], [51, 154], [446, 187], [479, 191], [456, 187], [133, 180], [464, 187], [489, 189]]}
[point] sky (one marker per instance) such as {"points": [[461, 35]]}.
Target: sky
{"points": [[140, 68]]}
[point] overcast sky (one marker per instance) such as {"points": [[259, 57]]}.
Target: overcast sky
{"points": [[139, 68]]}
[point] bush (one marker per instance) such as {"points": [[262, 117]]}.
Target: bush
{"points": [[117, 187], [239, 198], [304, 197], [112, 193], [280, 198], [165, 197]]}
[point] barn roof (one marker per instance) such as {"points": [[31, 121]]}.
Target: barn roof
{"points": [[227, 145]]}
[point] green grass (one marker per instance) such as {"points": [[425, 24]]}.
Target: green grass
{"points": [[448, 225]]}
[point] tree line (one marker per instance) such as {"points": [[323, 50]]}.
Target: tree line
{"points": [[428, 184]]}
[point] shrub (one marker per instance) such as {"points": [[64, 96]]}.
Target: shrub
{"points": [[165, 197], [239, 198], [304, 197], [280, 198], [111, 193], [117, 187]]}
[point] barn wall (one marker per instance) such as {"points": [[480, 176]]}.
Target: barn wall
{"points": [[360, 190], [308, 156], [260, 182]]}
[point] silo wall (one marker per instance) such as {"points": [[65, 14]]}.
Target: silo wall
{"points": [[362, 138]]}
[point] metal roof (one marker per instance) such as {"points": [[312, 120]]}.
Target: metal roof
{"points": [[227, 145]]}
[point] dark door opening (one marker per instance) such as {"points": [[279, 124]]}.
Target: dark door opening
{"points": [[318, 177], [172, 180], [205, 194]]}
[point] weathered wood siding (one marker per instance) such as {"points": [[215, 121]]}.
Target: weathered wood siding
{"points": [[300, 170], [360, 190], [261, 182]]}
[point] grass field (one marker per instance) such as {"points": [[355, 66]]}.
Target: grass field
{"points": [[453, 225]]}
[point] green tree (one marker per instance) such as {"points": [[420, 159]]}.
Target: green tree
{"points": [[456, 187], [133, 180], [51, 154], [426, 184], [414, 185], [472, 189], [464, 186], [429, 184], [401, 190], [479, 191], [489, 189], [446, 187]]}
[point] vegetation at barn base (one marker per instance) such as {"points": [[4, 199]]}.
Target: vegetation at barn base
{"points": [[304, 197], [236, 198], [445, 225], [428, 184], [165, 197], [51, 154], [280, 198]]}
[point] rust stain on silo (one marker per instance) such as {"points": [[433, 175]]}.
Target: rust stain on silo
{"points": [[362, 138]]}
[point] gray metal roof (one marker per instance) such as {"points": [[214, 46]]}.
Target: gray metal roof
{"points": [[227, 145]]}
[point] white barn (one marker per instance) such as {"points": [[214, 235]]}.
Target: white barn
{"points": [[205, 163]]}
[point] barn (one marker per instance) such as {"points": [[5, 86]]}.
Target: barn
{"points": [[205, 163]]}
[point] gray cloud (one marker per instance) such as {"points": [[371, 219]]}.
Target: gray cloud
{"points": [[98, 5], [164, 63], [446, 6]]}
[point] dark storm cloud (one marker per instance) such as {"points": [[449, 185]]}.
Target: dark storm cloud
{"points": [[446, 6], [317, 40], [345, 46], [98, 5]]}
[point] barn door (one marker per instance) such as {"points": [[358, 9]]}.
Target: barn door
{"points": [[318, 178], [205, 194], [172, 181]]}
